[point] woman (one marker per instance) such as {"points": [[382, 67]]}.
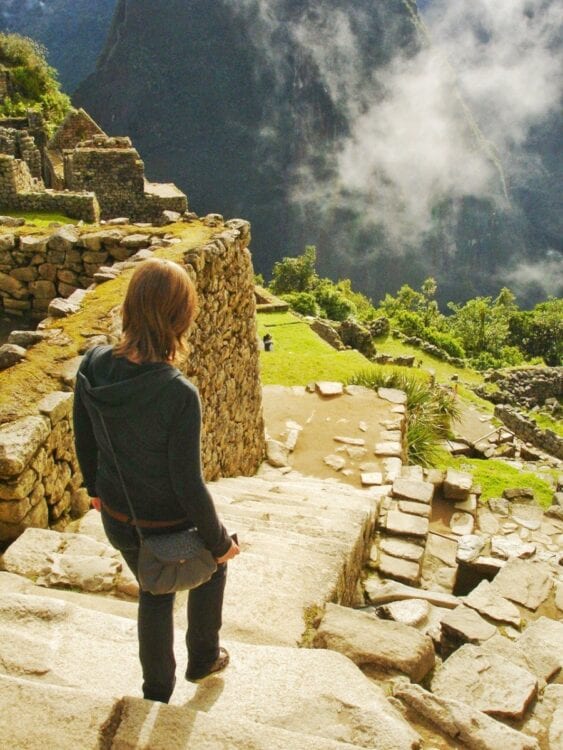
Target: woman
{"points": [[153, 417]]}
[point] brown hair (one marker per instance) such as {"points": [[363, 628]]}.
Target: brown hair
{"points": [[159, 307]]}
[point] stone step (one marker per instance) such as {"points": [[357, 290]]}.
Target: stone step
{"points": [[71, 718], [312, 692]]}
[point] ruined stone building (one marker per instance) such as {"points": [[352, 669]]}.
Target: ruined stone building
{"points": [[80, 172]]}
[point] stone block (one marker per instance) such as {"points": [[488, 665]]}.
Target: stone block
{"points": [[19, 441], [417, 509], [401, 548], [524, 582], [369, 641], [486, 600], [56, 406], [11, 354], [457, 485], [404, 524], [402, 570], [393, 395], [409, 489], [491, 684]]}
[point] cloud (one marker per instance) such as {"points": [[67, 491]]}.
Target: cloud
{"points": [[544, 276], [436, 123]]}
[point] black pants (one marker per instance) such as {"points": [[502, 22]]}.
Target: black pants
{"points": [[156, 623]]}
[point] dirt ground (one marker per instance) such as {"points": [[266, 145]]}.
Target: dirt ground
{"points": [[322, 419]]}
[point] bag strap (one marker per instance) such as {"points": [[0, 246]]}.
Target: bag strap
{"points": [[119, 474]]}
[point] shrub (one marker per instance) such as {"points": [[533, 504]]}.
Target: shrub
{"points": [[430, 410], [303, 303], [333, 303], [444, 341]]}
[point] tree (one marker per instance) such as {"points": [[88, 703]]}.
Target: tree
{"points": [[295, 274], [481, 325]]}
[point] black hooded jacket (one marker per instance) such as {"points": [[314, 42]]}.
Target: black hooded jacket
{"points": [[153, 416]]}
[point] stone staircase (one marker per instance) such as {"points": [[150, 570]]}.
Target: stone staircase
{"points": [[68, 655]]}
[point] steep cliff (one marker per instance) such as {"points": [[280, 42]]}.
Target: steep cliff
{"points": [[310, 119]]}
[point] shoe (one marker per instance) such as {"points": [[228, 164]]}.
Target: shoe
{"points": [[218, 665]]}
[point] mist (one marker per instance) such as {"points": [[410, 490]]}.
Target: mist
{"points": [[446, 119]]}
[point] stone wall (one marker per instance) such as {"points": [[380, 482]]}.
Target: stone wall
{"points": [[528, 431], [527, 386], [113, 169], [20, 191], [34, 269], [40, 484], [20, 144], [76, 127]]}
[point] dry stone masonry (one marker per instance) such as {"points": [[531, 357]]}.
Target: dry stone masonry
{"points": [[40, 484], [80, 172]]}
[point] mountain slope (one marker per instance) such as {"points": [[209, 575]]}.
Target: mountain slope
{"points": [[310, 119]]}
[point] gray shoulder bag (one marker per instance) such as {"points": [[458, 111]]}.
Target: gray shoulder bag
{"points": [[167, 562]]}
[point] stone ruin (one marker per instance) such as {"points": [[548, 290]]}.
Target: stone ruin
{"points": [[40, 481], [79, 172]]}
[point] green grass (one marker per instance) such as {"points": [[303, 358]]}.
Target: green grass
{"points": [[546, 422], [40, 219], [495, 476], [442, 370], [300, 356]]}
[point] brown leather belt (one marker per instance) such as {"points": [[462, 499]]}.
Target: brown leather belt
{"points": [[124, 518]]}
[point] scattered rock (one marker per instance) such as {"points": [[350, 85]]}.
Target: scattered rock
{"points": [[11, 221], [26, 338], [488, 602], [335, 462], [391, 468], [463, 625], [277, 454], [326, 388], [62, 308], [487, 682], [367, 640], [470, 547], [349, 440], [371, 479], [463, 723], [410, 612], [518, 493], [391, 591], [11, 354], [524, 582]]}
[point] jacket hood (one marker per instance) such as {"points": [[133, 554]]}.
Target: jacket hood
{"points": [[121, 390]]}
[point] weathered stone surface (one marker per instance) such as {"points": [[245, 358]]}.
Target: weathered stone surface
{"points": [[393, 395], [467, 506], [511, 546], [464, 723], [404, 524], [462, 524], [56, 405], [527, 515], [487, 682], [63, 239], [409, 489], [532, 656], [442, 548], [543, 636], [277, 453], [327, 388], [488, 523], [391, 591], [416, 509], [414, 612], [367, 640], [26, 338], [28, 554], [499, 505], [19, 488], [11, 354], [524, 582], [399, 569], [388, 449], [457, 485], [391, 468], [315, 693], [487, 601], [19, 441], [335, 462], [401, 548], [61, 308], [371, 479], [84, 572], [464, 625], [559, 596], [349, 440], [518, 493]]}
